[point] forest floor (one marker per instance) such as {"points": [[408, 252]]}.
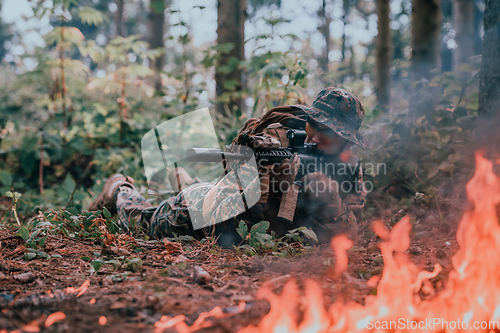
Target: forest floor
{"points": [[133, 295]]}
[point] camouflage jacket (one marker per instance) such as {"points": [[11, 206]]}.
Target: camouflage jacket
{"points": [[231, 201]]}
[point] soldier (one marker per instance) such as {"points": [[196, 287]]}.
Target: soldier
{"points": [[332, 122]]}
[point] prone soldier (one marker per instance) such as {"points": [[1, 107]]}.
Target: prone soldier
{"points": [[286, 200]]}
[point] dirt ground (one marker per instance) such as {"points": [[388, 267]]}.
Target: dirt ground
{"points": [[133, 299]]}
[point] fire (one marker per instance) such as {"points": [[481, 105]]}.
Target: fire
{"points": [[56, 316], [470, 302], [103, 320], [180, 325], [81, 290]]}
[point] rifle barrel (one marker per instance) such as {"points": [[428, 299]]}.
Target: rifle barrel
{"points": [[211, 155]]}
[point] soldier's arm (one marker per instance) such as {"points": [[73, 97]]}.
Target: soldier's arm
{"points": [[340, 213]]}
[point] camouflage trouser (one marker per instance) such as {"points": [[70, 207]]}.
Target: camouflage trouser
{"points": [[169, 218], [224, 203]]}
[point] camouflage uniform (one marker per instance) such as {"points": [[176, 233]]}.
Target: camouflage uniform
{"points": [[335, 108]]}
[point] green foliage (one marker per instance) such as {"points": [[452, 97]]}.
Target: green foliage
{"points": [[277, 78], [91, 16], [258, 241]]}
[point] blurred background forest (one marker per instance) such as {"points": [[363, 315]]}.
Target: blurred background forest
{"points": [[82, 81]]}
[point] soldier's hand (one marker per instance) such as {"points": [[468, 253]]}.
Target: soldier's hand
{"points": [[317, 186], [283, 175]]}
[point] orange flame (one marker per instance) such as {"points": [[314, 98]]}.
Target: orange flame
{"points": [[179, 321], [102, 320], [470, 302], [56, 316], [340, 245], [81, 290]]}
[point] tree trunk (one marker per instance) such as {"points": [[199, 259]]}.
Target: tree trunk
{"points": [[489, 86], [231, 29], [324, 28], [344, 19], [425, 41], [120, 23], [383, 58], [463, 22], [157, 28]]}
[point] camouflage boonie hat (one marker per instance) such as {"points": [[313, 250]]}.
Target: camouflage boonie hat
{"points": [[341, 111]]}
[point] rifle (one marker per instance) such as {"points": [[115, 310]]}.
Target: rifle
{"points": [[268, 151]]}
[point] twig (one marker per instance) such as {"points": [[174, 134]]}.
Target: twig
{"points": [[40, 173], [28, 204], [78, 181], [8, 237], [13, 207], [61, 68], [71, 239], [416, 175], [50, 276]]}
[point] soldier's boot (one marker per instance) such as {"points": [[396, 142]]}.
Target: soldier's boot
{"points": [[113, 185]]}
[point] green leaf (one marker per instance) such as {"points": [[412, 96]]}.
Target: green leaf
{"points": [[28, 162], [448, 167], [29, 255], [73, 211], [23, 233], [242, 230], [91, 16], [114, 262], [5, 178], [112, 227], [84, 258], [69, 184], [260, 227], [309, 234], [97, 264], [41, 241], [43, 255], [106, 213]]}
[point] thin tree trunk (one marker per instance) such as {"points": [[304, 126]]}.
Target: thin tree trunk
{"points": [[425, 41], [157, 28], [489, 86], [120, 23], [344, 19], [463, 23], [324, 28], [61, 70], [383, 55], [231, 29], [352, 63]]}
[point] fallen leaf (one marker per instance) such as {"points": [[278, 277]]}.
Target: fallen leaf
{"points": [[172, 247], [25, 277]]}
